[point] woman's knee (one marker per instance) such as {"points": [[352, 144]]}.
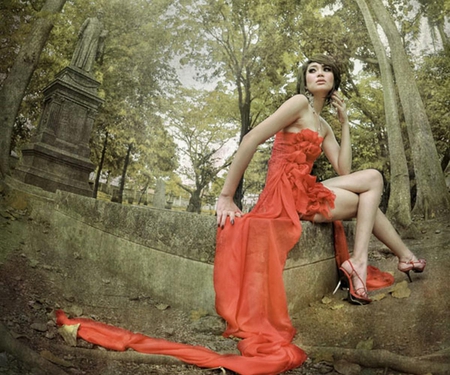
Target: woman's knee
{"points": [[375, 178]]}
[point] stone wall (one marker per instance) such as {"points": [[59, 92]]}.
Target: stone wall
{"points": [[111, 253]]}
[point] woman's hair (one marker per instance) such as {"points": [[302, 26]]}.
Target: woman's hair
{"points": [[323, 60]]}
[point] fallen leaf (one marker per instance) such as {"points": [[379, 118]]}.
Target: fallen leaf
{"points": [[401, 290], [198, 314], [40, 327], [366, 345], [337, 307], [347, 368], [326, 300], [162, 306], [378, 297], [69, 333], [18, 335], [53, 358], [74, 310], [322, 356]]}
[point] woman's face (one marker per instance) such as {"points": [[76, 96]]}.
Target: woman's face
{"points": [[319, 79]]}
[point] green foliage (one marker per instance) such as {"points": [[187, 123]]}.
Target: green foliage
{"points": [[434, 84], [203, 132], [133, 70], [15, 23], [249, 51]]}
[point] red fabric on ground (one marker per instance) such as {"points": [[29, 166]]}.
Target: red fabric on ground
{"points": [[248, 271], [376, 279]]}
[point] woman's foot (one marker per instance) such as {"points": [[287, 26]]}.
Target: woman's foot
{"points": [[357, 292], [411, 264]]}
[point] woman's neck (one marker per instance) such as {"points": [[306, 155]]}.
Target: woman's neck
{"points": [[318, 104]]}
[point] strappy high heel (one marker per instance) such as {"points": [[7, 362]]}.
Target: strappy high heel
{"points": [[416, 266], [353, 295]]}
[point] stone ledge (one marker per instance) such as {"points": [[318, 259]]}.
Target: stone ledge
{"points": [[184, 234], [111, 252]]}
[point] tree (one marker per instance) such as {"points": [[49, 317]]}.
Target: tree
{"points": [[434, 84], [245, 43], [202, 134], [435, 12], [432, 195], [399, 206], [14, 86], [124, 172], [135, 75], [100, 166]]}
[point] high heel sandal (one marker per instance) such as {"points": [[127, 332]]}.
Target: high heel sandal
{"points": [[416, 266], [353, 295]]}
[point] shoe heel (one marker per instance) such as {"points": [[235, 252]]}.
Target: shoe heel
{"points": [[416, 266], [342, 283], [409, 276], [337, 287]]}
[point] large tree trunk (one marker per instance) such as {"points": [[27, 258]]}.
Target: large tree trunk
{"points": [[399, 207], [13, 89], [432, 195]]}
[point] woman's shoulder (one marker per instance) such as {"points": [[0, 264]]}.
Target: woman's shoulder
{"points": [[299, 99], [298, 103]]}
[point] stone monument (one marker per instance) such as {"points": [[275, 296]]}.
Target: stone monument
{"points": [[58, 155], [159, 199]]}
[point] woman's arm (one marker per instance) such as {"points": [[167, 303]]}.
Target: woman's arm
{"points": [[288, 113], [340, 156]]}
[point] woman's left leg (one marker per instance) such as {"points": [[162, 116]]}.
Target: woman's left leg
{"points": [[361, 183], [358, 195]]}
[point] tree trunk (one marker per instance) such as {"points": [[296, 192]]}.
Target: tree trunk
{"points": [[399, 206], [14, 86], [244, 109], [144, 192], [124, 173], [432, 194], [100, 167], [195, 202], [443, 35]]}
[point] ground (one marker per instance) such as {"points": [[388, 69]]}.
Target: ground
{"points": [[410, 319]]}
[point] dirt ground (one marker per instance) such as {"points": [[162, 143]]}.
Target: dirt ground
{"points": [[410, 319]]}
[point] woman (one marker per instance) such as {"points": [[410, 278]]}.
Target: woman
{"points": [[350, 195], [252, 250]]}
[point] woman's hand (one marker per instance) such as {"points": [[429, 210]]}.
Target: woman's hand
{"points": [[226, 207], [340, 106]]}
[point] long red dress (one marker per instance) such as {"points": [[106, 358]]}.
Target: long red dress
{"points": [[250, 257]]}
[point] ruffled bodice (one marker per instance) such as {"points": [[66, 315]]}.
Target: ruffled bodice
{"points": [[292, 160]]}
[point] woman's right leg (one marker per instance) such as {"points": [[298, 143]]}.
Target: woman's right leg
{"points": [[386, 233]]}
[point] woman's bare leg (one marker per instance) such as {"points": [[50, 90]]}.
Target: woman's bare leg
{"points": [[386, 233], [358, 195]]}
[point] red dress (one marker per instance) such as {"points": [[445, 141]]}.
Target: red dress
{"points": [[250, 255], [248, 270]]}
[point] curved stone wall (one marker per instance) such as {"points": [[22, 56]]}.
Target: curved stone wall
{"points": [[111, 253]]}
